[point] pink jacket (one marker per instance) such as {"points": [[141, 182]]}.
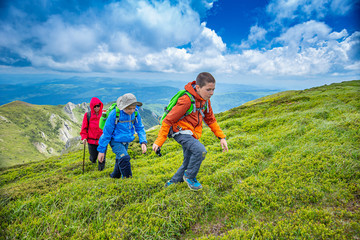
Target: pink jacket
{"points": [[91, 131]]}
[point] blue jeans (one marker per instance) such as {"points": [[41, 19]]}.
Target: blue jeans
{"points": [[194, 153], [122, 166]]}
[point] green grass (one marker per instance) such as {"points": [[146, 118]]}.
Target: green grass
{"points": [[292, 172]]}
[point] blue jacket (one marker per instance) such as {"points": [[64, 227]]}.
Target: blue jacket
{"points": [[123, 131]]}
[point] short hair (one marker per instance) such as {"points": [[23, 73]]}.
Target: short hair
{"points": [[204, 78]]}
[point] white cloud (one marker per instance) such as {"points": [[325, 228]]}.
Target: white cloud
{"points": [[208, 42], [64, 41], [341, 7], [256, 34], [150, 37], [156, 26], [304, 9], [125, 28], [305, 34], [308, 49]]}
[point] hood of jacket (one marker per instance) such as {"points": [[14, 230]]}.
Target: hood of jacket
{"points": [[190, 87], [95, 101]]}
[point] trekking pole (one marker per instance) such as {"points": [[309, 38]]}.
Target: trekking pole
{"points": [[84, 158]]}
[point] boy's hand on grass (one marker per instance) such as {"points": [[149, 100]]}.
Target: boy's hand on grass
{"points": [[143, 148], [224, 145], [101, 157]]}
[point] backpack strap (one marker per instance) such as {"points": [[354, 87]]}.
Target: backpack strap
{"points": [[193, 107], [117, 115], [88, 115], [204, 107]]}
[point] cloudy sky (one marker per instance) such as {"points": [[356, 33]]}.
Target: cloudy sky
{"points": [[288, 43]]}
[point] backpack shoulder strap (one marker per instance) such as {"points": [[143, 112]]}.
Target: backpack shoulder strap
{"points": [[136, 114], [192, 106], [117, 115], [88, 115]]}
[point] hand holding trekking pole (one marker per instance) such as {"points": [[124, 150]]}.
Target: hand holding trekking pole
{"points": [[156, 149]]}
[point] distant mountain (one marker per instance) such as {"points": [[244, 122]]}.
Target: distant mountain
{"points": [[30, 132], [78, 90], [154, 94], [230, 100]]}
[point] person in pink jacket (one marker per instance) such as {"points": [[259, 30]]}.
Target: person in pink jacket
{"points": [[90, 131]]}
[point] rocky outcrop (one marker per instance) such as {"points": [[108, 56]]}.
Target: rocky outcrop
{"points": [[84, 106], [53, 120], [4, 119], [43, 135], [69, 111], [41, 147], [69, 107], [72, 144], [65, 132]]}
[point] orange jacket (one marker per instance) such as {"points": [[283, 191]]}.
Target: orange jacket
{"points": [[192, 122]]}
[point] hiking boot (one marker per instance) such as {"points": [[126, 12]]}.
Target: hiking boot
{"points": [[101, 166], [192, 183], [168, 183]]}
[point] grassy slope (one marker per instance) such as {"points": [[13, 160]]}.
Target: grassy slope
{"points": [[26, 122], [23, 128], [292, 172]]}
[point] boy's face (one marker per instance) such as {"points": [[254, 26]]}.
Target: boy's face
{"points": [[206, 91], [130, 109]]}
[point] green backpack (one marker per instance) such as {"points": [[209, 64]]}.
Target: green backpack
{"points": [[106, 113], [192, 108]]}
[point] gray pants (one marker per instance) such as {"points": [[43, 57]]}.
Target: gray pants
{"points": [[194, 154]]}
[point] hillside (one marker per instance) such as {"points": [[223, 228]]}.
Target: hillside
{"points": [[34, 132], [31, 132], [292, 172]]}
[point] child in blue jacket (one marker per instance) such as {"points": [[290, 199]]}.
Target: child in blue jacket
{"points": [[121, 134]]}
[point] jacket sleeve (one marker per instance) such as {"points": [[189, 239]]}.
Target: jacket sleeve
{"points": [[84, 128], [210, 120], [107, 132], [172, 117], [140, 129]]}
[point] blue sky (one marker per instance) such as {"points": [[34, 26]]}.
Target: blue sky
{"points": [[282, 43]]}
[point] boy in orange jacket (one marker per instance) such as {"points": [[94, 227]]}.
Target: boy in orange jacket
{"points": [[187, 129]]}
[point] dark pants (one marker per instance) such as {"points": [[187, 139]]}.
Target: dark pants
{"points": [[122, 166], [94, 154], [194, 153]]}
